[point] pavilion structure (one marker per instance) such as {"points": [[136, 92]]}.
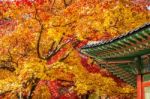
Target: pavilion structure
{"points": [[126, 56]]}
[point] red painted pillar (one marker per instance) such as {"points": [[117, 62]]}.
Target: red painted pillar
{"points": [[139, 87]]}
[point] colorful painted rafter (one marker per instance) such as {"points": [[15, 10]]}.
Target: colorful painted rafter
{"points": [[120, 54]]}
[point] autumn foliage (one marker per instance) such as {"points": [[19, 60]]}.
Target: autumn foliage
{"points": [[40, 44]]}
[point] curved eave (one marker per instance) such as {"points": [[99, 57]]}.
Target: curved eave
{"points": [[121, 73], [135, 43]]}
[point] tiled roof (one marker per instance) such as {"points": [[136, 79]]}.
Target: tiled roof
{"points": [[102, 42], [125, 47]]}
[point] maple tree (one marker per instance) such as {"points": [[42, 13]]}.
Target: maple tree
{"points": [[40, 41]]}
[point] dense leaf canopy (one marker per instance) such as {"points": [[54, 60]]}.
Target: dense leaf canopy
{"points": [[40, 42]]}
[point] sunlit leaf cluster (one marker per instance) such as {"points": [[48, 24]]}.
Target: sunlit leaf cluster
{"points": [[41, 41]]}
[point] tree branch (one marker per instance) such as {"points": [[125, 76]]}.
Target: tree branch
{"points": [[52, 46], [9, 68], [40, 33], [52, 51], [65, 56], [8, 64], [75, 44], [56, 50], [34, 84]]}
